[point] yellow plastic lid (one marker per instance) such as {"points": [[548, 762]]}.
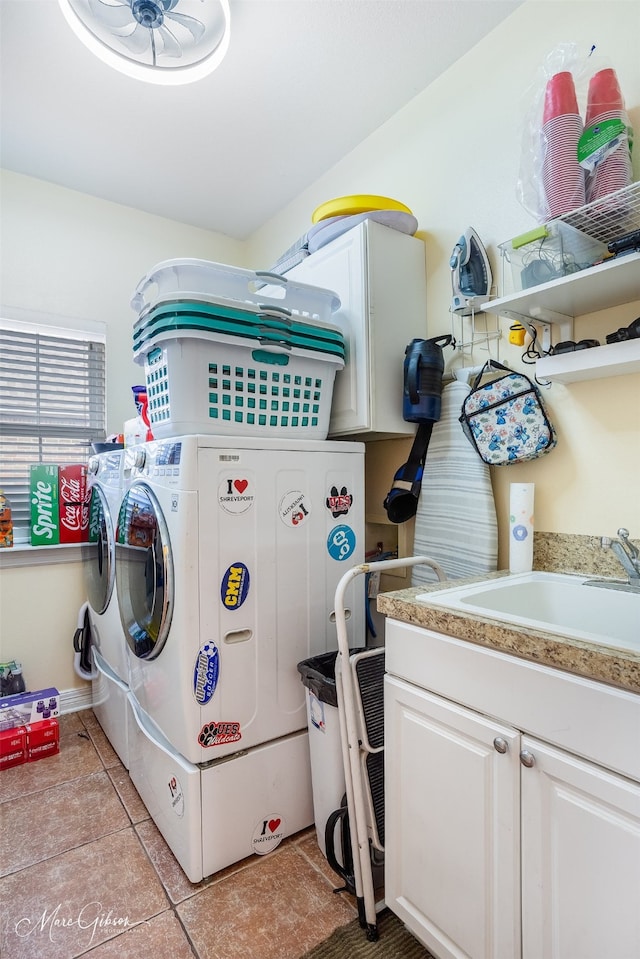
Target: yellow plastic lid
{"points": [[358, 203]]}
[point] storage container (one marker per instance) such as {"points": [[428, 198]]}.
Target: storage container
{"points": [[549, 251]]}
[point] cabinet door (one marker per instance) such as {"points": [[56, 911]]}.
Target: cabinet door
{"points": [[379, 275], [341, 266], [580, 859], [452, 864]]}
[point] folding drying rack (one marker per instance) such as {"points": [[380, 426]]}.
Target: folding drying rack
{"points": [[359, 688]]}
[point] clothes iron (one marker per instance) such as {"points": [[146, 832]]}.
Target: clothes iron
{"points": [[470, 273]]}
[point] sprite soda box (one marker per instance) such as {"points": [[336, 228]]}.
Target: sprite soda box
{"points": [[45, 520]]}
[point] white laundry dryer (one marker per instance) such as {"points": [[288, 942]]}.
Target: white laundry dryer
{"points": [[228, 554], [109, 650]]}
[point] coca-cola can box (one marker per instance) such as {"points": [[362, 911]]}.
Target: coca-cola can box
{"points": [[45, 519], [28, 743], [26, 708], [74, 498], [13, 747], [43, 739]]}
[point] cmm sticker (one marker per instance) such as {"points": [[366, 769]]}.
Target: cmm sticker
{"points": [[235, 586], [205, 673]]}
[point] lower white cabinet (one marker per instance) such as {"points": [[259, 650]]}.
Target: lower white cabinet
{"points": [[452, 860], [498, 844], [580, 859]]}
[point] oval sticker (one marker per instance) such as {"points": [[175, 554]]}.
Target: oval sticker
{"points": [[205, 673], [341, 542], [235, 494], [268, 834], [294, 508], [176, 796], [235, 586]]}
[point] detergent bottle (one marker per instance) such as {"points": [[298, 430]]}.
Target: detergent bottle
{"points": [[142, 406], [6, 523]]}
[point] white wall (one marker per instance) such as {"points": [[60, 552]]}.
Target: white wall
{"points": [[452, 155], [70, 255]]}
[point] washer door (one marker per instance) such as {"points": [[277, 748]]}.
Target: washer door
{"points": [[98, 554], [144, 572]]}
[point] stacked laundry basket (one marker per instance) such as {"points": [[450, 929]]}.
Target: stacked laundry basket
{"points": [[232, 351]]}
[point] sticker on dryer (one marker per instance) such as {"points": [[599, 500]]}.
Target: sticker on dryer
{"points": [[294, 508], [339, 502], [219, 734], [235, 494], [234, 588], [341, 542], [176, 796], [268, 834], [205, 673]]}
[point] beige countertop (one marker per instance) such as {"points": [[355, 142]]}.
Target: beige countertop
{"points": [[619, 667]]}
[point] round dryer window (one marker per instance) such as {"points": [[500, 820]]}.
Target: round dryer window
{"points": [[144, 572], [98, 554]]}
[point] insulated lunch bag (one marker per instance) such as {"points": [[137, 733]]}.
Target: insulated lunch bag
{"points": [[505, 420]]}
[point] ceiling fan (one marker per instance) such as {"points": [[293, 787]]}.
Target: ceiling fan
{"points": [[163, 41]]}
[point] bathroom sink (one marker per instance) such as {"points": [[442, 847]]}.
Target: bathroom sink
{"points": [[555, 602]]}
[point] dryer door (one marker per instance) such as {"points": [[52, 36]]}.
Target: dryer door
{"points": [[98, 554], [144, 572]]}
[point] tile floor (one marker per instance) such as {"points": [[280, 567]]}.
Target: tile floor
{"points": [[84, 871]]}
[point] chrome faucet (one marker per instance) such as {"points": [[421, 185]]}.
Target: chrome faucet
{"points": [[626, 553]]}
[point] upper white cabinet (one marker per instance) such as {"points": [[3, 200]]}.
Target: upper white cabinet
{"points": [[380, 276]]}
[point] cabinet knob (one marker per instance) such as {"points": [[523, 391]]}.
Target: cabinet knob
{"points": [[527, 759], [500, 744]]}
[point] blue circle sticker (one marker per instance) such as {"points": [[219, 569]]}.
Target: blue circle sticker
{"points": [[341, 542], [205, 673], [235, 586]]}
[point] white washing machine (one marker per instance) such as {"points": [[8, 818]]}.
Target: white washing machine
{"points": [[228, 554], [109, 649]]}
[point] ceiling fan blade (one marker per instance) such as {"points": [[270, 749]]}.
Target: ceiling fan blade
{"points": [[195, 28], [113, 16], [138, 41], [171, 47]]}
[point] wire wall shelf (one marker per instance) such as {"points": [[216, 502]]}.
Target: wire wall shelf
{"points": [[608, 218]]}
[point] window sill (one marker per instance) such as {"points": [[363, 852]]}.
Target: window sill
{"points": [[22, 554]]}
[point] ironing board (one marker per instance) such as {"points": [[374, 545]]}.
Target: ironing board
{"points": [[456, 516]]}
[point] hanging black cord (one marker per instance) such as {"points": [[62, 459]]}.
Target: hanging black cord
{"points": [[532, 353]]}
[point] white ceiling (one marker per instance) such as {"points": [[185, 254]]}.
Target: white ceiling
{"points": [[303, 83]]}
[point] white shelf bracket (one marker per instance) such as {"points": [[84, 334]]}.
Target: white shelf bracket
{"points": [[545, 317]]}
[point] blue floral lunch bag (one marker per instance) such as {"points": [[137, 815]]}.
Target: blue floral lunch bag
{"points": [[506, 419]]}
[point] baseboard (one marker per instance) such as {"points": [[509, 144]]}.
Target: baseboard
{"points": [[73, 700]]}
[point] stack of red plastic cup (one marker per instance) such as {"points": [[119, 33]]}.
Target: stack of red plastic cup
{"points": [[605, 102], [563, 178]]}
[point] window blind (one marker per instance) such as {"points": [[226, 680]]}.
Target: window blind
{"points": [[52, 406]]}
